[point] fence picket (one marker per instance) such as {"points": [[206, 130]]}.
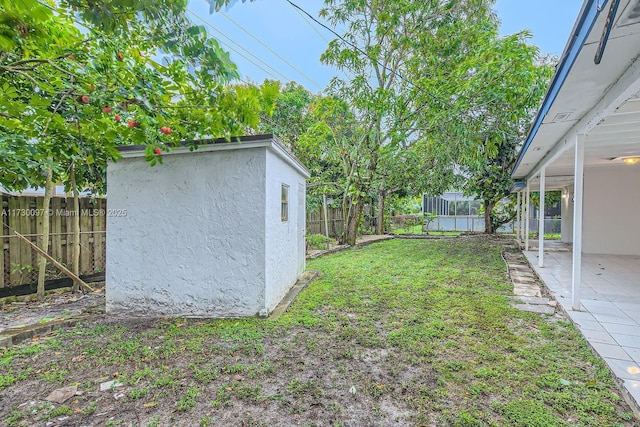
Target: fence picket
{"points": [[24, 217], [86, 251], [19, 263], [56, 229], [14, 244]]}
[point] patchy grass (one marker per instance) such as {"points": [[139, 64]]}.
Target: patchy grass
{"points": [[403, 332]]}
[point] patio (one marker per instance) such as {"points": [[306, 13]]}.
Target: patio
{"points": [[610, 320]]}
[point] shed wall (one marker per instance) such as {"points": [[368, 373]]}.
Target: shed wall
{"points": [[284, 239], [192, 242]]}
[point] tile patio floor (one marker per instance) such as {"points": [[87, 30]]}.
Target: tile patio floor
{"points": [[610, 320]]}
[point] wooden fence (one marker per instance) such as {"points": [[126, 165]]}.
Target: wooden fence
{"points": [[335, 220], [24, 214]]}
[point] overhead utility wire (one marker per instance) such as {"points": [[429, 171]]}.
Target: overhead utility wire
{"points": [[267, 72], [312, 26], [241, 47], [271, 50], [365, 53]]}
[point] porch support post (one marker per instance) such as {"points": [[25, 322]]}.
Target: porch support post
{"points": [[519, 229], [577, 222], [522, 217], [527, 215], [541, 220]]}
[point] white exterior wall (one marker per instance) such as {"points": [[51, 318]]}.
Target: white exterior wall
{"points": [[566, 215], [611, 207], [192, 242], [284, 239]]}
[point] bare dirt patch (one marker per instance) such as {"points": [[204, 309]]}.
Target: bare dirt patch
{"points": [[56, 305], [406, 333]]}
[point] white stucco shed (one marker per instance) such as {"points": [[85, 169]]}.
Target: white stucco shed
{"points": [[215, 232]]}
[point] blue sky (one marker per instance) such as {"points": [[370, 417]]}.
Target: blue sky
{"points": [[271, 39]]}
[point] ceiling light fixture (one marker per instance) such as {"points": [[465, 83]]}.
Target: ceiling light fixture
{"points": [[631, 160]]}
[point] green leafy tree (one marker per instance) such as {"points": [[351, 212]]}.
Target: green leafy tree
{"points": [[328, 149], [500, 118], [290, 117], [399, 58], [72, 96]]}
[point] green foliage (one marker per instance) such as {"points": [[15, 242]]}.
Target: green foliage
{"points": [[60, 411], [317, 241], [7, 380], [495, 136], [550, 198], [529, 413], [90, 409], [73, 97], [188, 401], [441, 107], [138, 393], [14, 418]]}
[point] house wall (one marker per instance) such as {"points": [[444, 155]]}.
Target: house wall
{"points": [[611, 207], [192, 241], [285, 251], [566, 215]]}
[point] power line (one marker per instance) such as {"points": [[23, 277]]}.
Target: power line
{"points": [[243, 48], [399, 75], [312, 26], [271, 50]]}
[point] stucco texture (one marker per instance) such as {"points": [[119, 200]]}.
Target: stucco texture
{"points": [[193, 240], [283, 257]]}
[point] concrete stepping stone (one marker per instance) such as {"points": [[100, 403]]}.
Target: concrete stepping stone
{"points": [[536, 308], [531, 300]]}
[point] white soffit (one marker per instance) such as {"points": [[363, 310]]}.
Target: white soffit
{"points": [[579, 103]]}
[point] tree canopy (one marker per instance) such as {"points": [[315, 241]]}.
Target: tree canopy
{"points": [[81, 78]]}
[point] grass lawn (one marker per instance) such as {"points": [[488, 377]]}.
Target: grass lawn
{"points": [[417, 229], [399, 333]]}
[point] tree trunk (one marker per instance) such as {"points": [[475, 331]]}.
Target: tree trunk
{"points": [[75, 222], [488, 225], [380, 220], [353, 222], [42, 265]]}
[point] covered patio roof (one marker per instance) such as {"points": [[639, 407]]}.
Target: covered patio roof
{"points": [[600, 101]]}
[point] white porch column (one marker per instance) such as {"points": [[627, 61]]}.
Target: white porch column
{"points": [[541, 220], [517, 231], [578, 180], [522, 217], [527, 215]]}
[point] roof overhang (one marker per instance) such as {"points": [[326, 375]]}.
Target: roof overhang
{"points": [[600, 101]]}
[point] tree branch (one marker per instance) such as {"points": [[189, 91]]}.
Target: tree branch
{"points": [[55, 110]]}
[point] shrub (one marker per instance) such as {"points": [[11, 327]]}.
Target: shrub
{"points": [[317, 241]]}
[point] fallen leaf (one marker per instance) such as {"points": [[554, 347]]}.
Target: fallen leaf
{"points": [[149, 404]]}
